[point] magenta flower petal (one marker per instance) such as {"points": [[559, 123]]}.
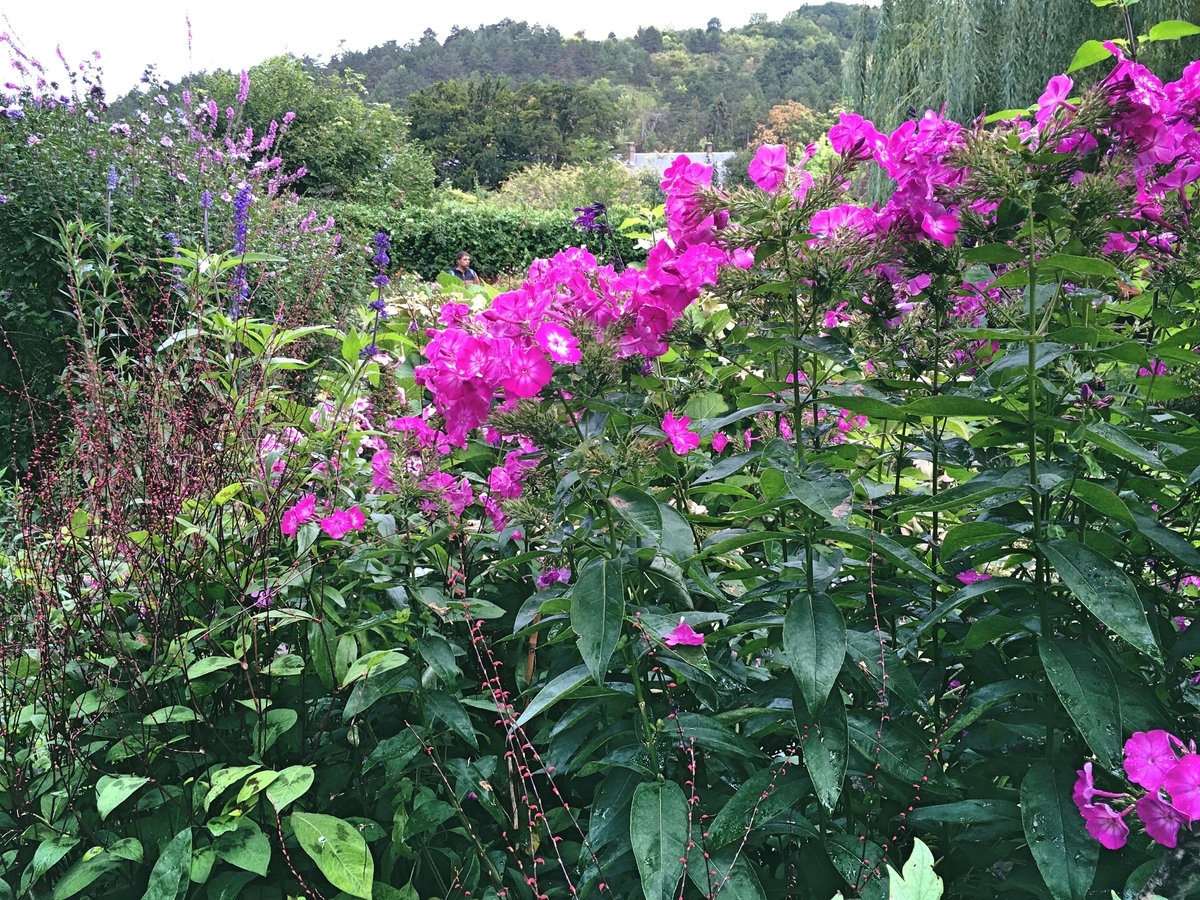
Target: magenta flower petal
{"points": [[1148, 758], [676, 430], [1107, 825], [769, 167], [1162, 820], [1182, 782], [683, 635]]}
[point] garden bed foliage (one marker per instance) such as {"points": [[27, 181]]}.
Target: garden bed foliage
{"points": [[832, 527]]}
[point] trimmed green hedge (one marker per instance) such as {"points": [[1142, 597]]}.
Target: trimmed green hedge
{"points": [[500, 241]]}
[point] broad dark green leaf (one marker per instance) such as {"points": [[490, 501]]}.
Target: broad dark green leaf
{"points": [[245, 847], [979, 701], [448, 709], [725, 873], [966, 812], [169, 879], [1117, 442], [677, 540], [639, 511], [292, 783], [993, 254], [338, 850], [814, 641], [713, 737], [900, 752], [1064, 852], [84, 872], [828, 494], [763, 796], [598, 612], [1087, 690], [877, 661], [658, 833], [112, 790], [555, 690], [726, 467], [1105, 590], [825, 743], [861, 863]]}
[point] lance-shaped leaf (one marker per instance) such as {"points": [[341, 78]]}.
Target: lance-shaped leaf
{"points": [[828, 495], [598, 612], [1087, 690], [1105, 590], [814, 640], [1065, 854], [658, 825], [825, 742]]}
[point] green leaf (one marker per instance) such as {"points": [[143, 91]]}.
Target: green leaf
{"points": [[271, 727], [640, 512], [209, 664], [48, 853], [255, 784], [1105, 590], [881, 664], [874, 542], [825, 743], [292, 783], [763, 796], [993, 254], [338, 850], [1172, 30], [725, 873], [1088, 54], [228, 885], [1116, 442], [958, 406], [171, 715], [828, 495], [980, 701], [283, 666], [1087, 690], [920, 882], [598, 612], [1103, 501], [113, 790], [677, 541], [440, 705], [966, 812], [555, 690], [901, 753], [170, 877], [713, 737], [223, 779], [1170, 541], [971, 534], [658, 833], [245, 847], [84, 872], [856, 860], [1064, 852], [1079, 265], [814, 641], [725, 467]]}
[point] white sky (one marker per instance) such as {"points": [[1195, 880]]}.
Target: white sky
{"points": [[236, 34]]}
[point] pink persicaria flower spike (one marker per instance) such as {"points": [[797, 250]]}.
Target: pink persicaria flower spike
{"points": [[1149, 756], [297, 515], [562, 346], [1183, 784], [683, 635], [677, 432], [1107, 825], [768, 169], [1162, 820]]}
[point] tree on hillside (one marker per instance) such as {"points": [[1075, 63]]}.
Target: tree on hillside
{"points": [[480, 132], [977, 55]]}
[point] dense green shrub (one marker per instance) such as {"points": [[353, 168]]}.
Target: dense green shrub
{"points": [[545, 187], [500, 240]]}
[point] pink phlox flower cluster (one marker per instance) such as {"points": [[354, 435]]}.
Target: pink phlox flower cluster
{"points": [[1157, 367], [836, 317], [295, 516], [381, 470], [682, 440], [341, 522], [457, 493], [1167, 769], [769, 168], [553, 576], [971, 576], [507, 480]]}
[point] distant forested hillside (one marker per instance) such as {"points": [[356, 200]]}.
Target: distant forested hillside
{"points": [[672, 89]]}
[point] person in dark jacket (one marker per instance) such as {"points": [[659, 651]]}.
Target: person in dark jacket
{"points": [[462, 268]]}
